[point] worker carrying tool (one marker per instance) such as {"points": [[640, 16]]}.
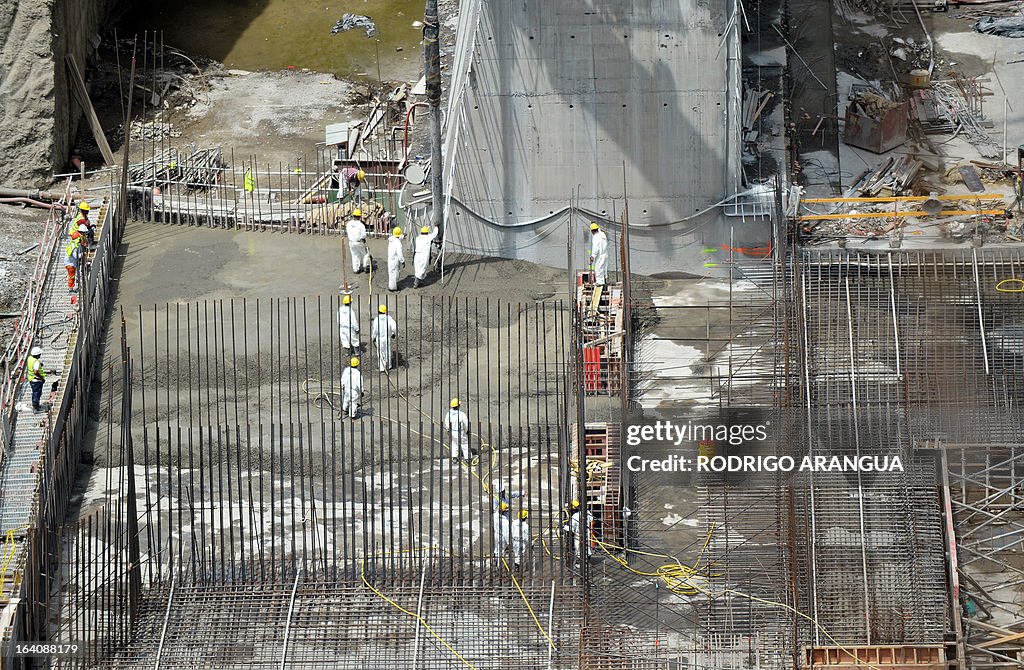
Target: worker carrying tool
{"points": [[356, 231], [520, 537], [421, 254], [383, 333], [599, 254], [573, 528], [502, 530], [351, 389], [457, 424], [72, 257], [348, 325], [82, 219], [354, 178], [36, 376], [396, 259]]}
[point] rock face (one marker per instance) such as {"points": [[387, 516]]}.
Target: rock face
{"points": [[38, 113]]}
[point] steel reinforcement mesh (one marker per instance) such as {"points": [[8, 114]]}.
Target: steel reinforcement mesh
{"points": [[306, 624]]}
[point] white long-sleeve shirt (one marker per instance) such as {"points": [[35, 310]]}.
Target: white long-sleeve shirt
{"points": [[383, 329], [599, 246], [356, 230], [421, 252], [457, 423], [351, 384], [395, 254]]}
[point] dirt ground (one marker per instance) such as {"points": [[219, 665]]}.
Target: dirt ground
{"points": [[19, 231]]}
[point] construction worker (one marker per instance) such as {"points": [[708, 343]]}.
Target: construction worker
{"points": [[348, 324], [599, 254], [82, 219], [351, 389], [396, 259], [36, 375], [457, 424], [72, 256], [504, 497], [354, 178], [520, 537], [356, 231], [383, 332], [421, 254], [82, 235], [502, 530], [573, 528]]}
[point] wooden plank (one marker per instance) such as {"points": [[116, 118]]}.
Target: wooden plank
{"points": [[1001, 640], [90, 113], [596, 299]]}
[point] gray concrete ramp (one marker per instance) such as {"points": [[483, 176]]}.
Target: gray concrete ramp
{"points": [[604, 97]]}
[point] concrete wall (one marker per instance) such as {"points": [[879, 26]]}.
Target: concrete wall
{"points": [[38, 115], [603, 98]]}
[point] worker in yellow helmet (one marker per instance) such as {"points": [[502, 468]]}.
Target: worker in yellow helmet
{"points": [[355, 229], [502, 530], [457, 424], [421, 254], [351, 389], [396, 258], [35, 373], [354, 178], [383, 333], [521, 540], [573, 528], [599, 254], [348, 323], [82, 219]]}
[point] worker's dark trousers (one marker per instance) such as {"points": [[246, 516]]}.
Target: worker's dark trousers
{"points": [[37, 391]]}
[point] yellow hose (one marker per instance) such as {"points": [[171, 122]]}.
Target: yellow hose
{"points": [[1011, 286]]}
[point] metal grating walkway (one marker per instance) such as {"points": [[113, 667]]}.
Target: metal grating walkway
{"points": [[22, 463]]}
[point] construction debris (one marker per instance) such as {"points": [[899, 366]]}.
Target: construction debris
{"points": [[152, 130], [874, 122], [1005, 27], [353, 21]]}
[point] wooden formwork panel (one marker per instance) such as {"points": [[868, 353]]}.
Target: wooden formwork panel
{"points": [[890, 657]]}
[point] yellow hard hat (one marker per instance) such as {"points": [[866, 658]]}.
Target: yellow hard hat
{"points": [[357, 212], [425, 230], [346, 299], [354, 362], [383, 309], [593, 227], [84, 206], [503, 507], [361, 175], [574, 504], [523, 514], [455, 402], [397, 232]]}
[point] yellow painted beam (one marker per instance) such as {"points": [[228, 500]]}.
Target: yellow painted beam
{"points": [[909, 198]]}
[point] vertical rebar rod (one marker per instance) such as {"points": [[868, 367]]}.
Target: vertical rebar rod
{"points": [[860, 486]]}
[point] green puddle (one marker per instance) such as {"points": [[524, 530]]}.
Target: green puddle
{"points": [[278, 34]]}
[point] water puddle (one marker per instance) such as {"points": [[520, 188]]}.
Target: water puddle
{"points": [[273, 35]]}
